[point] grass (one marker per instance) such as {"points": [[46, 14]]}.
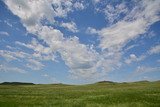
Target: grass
{"points": [[138, 94]]}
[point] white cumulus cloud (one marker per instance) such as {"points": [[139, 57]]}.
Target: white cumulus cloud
{"points": [[71, 26]]}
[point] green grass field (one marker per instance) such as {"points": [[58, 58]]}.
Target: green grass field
{"points": [[139, 94]]}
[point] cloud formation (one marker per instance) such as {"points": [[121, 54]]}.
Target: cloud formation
{"points": [[134, 58], [71, 26], [154, 50], [4, 68], [83, 61], [2, 33], [144, 69]]}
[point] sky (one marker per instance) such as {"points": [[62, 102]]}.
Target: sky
{"points": [[79, 41]]}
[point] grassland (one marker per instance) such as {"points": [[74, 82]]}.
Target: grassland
{"points": [[104, 94]]}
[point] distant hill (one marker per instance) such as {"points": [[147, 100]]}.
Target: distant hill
{"points": [[110, 82], [61, 84], [16, 83]]}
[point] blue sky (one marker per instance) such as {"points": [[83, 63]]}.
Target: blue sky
{"points": [[78, 41]]}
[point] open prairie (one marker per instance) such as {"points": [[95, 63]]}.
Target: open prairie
{"points": [[102, 94]]}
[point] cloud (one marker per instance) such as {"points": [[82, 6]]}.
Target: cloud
{"points": [[8, 23], [113, 13], [70, 26], [151, 34], [151, 51], [141, 70], [8, 68], [7, 55], [2, 33], [91, 31], [34, 64], [131, 46], [78, 57], [79, 6], [96, 1], [40, 51], [144, 69], [115, 36], [31, 17], [134, 58], [83, 61], [121, 33], [31, 61], [136, 22], [154, 50], [10, 55]]}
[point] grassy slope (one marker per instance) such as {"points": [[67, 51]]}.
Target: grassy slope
{"points": [[141, 94]]}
